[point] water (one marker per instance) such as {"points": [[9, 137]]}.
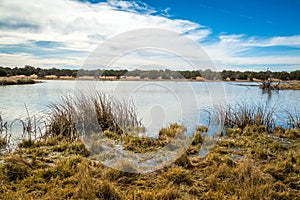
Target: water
{"points": [[157, 103]]}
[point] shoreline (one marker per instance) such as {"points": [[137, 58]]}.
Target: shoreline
{"points": [[21, 80]]}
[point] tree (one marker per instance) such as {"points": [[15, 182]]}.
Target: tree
{"points": [[242, 76], [295, 75], [2, 72]]}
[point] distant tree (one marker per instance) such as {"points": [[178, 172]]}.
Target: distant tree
{"points": [[208, 74], [261, 75], [28, 70], [3, 72], [134, 73], [176, 75], [232, 78], [227, 74], [295, 75], [242, 76], [165, 76], [284, 76]]}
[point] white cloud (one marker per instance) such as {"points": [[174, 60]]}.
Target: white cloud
{"points": [[292, 41], [229, 51], [75, 23], [132, 6], [22, 59]]}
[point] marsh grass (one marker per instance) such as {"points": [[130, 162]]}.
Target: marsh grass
{"points": [[246, 166], [140, 144], [294, 118], [62, 120], [4, 134], [90, 113], [243, 114], [16, 80], [289, 86]]}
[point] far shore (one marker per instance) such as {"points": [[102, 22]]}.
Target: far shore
{"points": [[22, 79]]}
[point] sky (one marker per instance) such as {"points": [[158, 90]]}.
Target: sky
{"points": [[234, 34]]}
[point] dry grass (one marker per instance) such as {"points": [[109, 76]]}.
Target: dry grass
{"points": [[294, 118], [243, 114], [289, 86], [140, 144], [90, 113], [247, 166], [4, 135], [16, 80]]}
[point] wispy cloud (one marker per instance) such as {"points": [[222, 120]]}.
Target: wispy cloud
{"points": [[242, 50]]}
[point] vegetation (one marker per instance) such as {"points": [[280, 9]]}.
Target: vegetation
{"points": [[289, 86], [151, 74], [16, 80], [261, 75], [245, 166], [243, 115], [91, 112], [246, 163]]}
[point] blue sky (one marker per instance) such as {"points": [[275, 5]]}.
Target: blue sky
{"points": [[235, 34], [256, 18]]}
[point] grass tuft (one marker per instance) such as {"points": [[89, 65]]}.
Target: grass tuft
{"points": [[243, 115]]}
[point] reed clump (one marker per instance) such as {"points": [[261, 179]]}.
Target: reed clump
{"points": [[243, 115], [294, 118], [4, 135], [90, 113], [14, 80]]}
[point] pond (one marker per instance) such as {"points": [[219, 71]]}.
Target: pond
{"points": [[158, 103]]}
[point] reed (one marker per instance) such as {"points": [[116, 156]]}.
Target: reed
{"points": [[293, 118], [90, 112], [4, 134], [242, 115]]}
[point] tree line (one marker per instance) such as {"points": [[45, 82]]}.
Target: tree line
{"points": [[151, 74]]}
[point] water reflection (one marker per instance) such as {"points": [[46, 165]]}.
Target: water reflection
{"points": [[270, 93]]}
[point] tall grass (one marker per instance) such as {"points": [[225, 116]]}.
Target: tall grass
{"points": [[243, 114], [31, 130], [90, 112], [3, 133], [293, 118]]}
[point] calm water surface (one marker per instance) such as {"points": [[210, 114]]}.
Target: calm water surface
{"points": [[157, 103]]}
